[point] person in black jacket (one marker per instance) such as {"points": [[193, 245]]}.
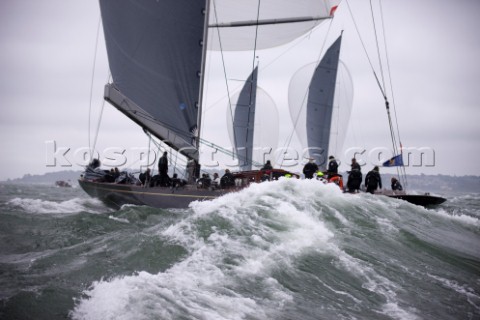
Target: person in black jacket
{"points": [[373, 180], [332, 167], [145, 177], [267, 166], [163, 170], [396, 186], [310, 168], [354, 177], [355, 165], [227, 180]]}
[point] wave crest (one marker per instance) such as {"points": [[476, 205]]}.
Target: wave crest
{"points": [[74, 205]]}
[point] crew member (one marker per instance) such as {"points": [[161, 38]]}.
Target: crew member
{"points": [[354, 177], [310, 168], [332, 166], [396, 186], [227, 180], [163, 170], [373, 180], [267, 166]]}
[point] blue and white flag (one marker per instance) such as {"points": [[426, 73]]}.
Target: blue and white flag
{"points": [[394, 162]]}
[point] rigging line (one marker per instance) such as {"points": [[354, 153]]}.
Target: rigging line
{"points": [[252, 79], [160, 150], [100, 120], [228, 152], [402, 172], [148, 159], [382, 73], [253, 60], [289, 140], [175, 163], [392, 131], [375, 74], [148, 154], [297, 42], [256, 38], [224, 68], [91, 89], [365, 50], [98, 126], [294, 44]]}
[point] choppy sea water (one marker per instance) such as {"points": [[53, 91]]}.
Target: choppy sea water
{"points": [[288, 249]]}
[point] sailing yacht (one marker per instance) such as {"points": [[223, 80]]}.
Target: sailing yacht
{"points": [[157, 54]]}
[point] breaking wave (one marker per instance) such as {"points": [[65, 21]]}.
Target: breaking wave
{"points": [[281, 250], [71, 206]]}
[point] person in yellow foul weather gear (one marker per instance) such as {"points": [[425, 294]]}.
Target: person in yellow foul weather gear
{"points": [[320, 176]]}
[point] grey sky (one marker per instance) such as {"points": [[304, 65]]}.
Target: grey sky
{"points": [[47, 51]]}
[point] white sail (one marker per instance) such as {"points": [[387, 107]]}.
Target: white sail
{"points": [[259, 24], [320, 105], [264, 130]]}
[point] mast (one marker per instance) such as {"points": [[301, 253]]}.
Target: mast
{"points": [[193, 166], [202, 74]]}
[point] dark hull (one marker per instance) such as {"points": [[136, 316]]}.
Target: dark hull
{"points": [[421, 200], [116, 195]]}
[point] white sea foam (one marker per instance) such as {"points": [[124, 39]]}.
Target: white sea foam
{"points": [[472, 297], [386, 225], [239, 241], [461, 218], [118, 219], [393, 310], [74, 205], [377, 284], [267, 232]]}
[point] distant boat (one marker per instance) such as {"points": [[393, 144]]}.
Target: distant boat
{"points": [[63, 184]]}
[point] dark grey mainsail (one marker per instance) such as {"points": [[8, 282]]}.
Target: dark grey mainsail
{"points": [[320, 100], [155, 55], [244, 122]]}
